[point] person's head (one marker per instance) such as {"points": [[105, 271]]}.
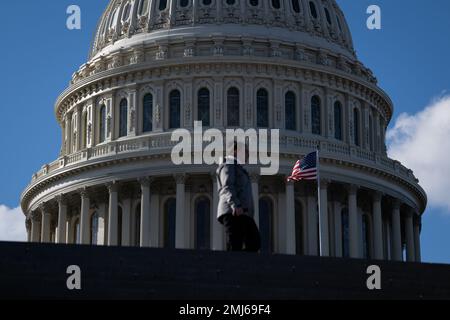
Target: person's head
{"points": [[238, 150]]}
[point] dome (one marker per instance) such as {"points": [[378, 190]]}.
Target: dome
{"points": [[309, 22]]}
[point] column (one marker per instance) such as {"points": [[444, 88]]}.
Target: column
{"points": [[290, 218], [217, 228], [84, 217], [417, 238], [46, 223], [154, 218], [28, 227], [180, 230], [312, 224], [323, 219], [396, 232], [255, 189], [377, 226], [126, 221], [409, 230], [35, 227], [62, 220], [145, 212], [337, 228], [113, 214], [353, 221]]}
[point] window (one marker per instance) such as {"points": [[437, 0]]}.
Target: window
{"points": [[290, 110], [126, 12], [147, 112], [175, 109], [262, 103], [296, 6], [313, 10], [170, 211], [276, 4], [266, 225], [371, 135], [203, 223], [137, 226], [119, 225], [338, 120], [203, 107], [254, 3], [345, 233], [233, 107], [231, 2], [123, 118], [315, 115], [162, 5], [299, 228], [207, 2], [94, 228], [356, 126], [328, 16], [339, 23], [366, 236], [184, 3], [102, 124], [84, 130]]}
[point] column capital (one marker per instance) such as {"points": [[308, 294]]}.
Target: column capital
{"points": [[377, 196], [145, 181], [61, 199], [180, 178], [254, 177], [112, 186], [352, 189], [324, 183], [84, 192], [288, 182], [35, 216], [44, 208], [396, 204]]}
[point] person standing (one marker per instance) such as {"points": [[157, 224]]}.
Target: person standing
{"points": [[236, 206]]}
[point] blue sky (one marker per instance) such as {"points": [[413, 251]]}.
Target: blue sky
{"points": [[409, 56]]}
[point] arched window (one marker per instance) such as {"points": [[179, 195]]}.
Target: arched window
{"points": [[266, 224], [315, 115], [328, 16], [313, 10], [345, 233], [366, 236], [356, 126], [169, 223], [276, 4], [175, 109], [233, 107], [262, 104], [147, 113], [299, 228], [123, 118], [296, 6], [162, 5], [203, 223], [119, 225], [137, 227], [102, 124], [77, 232], [126, 12], [371, 133], [382, 131], [203, 107], [184, 3], [94, 228], [338, 120], [290, 110]]}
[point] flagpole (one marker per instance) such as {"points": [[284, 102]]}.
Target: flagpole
{"points": [[319, 203]]}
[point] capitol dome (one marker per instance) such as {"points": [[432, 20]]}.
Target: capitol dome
{"points": [[156, 66]]}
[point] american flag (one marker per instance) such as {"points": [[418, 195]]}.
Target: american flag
{"points": [[305, 169]]}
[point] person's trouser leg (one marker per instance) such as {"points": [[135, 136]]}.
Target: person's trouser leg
{"points": [[234, 231], [252, 238]]}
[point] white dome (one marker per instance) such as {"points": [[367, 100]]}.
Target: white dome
{"points": [[126, 23]]}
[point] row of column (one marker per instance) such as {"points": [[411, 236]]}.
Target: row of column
{"points": [[412, 231], [41, 230]]}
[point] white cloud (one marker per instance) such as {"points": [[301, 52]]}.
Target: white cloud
{"points": [[12, 224], [422, 142]]}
